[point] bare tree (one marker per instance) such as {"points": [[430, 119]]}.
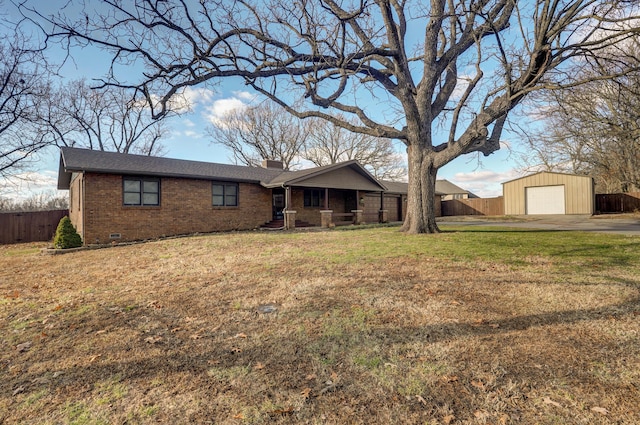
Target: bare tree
{"points": [[265, 131], [35, 114], [404, 68], [21, 90], [43, 201], [108, 119], [330, 144], [594, 129]]}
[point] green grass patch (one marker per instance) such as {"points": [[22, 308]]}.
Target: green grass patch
{"points": [[514, 247], [21, 252]]}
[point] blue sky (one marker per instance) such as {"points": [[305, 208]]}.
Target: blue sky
{"points": [[480, 175], [188, 140]]}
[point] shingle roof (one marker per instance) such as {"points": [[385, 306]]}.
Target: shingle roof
{"points": [[75, 159], [403, 187], [445, 187], [396, 187], [299, 174], [293, 177]]}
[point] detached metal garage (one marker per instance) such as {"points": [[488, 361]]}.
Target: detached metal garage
{"points": [[549, 193]]}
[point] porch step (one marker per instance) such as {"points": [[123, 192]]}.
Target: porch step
{"points": [[279, 224], [273, 224]]}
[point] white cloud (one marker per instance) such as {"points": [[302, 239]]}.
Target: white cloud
{"points": [[487, 176], [185, 133], [192, 134], [190, 98], [196, 95], [461, 85], [22, 186], [201, 100], [216, 113], [485, 183], [245, 95]]}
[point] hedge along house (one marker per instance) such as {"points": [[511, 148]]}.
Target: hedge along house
{"points": [[115, 196], [549, 193]]}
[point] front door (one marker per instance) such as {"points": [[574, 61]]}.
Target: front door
{"points": [[278, 204]]}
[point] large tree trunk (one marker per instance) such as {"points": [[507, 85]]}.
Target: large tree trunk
{"points": [[421, 197]]}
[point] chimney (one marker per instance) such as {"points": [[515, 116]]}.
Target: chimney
{"points": [[270, 163]]}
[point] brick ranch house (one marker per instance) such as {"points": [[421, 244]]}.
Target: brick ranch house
{"points": [[115, 196]]}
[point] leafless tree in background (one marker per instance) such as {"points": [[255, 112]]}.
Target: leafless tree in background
{"points": [[43, 201], [330, 144], [36, 113], [594, 129], [21, 90], [403, 69], [265, 131], [108, 119]]}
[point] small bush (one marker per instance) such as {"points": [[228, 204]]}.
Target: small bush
{"points": [[66, 235]]}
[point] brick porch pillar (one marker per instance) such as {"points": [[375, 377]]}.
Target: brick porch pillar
{"points": [[383, 216], [357, 216], [326, 218], [289, 219]]}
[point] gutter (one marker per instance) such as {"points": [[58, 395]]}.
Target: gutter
{"points": [[284, 210]]}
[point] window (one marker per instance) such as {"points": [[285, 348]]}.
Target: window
{"points": [[225, 194], [141, 191], [313, 198]]}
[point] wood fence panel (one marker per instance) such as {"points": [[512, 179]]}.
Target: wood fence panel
{"points": [[476, 206], [37, 226], [618, 202]]}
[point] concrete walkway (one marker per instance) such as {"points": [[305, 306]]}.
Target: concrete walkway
{"points": [[621, 224]]}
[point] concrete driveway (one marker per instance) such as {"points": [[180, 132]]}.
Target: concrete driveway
{"points": [[621, 224]]}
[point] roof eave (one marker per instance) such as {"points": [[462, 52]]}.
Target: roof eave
{"points": [[69, 170], [64, 176], [292, 182]]}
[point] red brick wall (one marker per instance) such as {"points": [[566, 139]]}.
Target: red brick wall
{"points": [[308, 214], [185, 207]]}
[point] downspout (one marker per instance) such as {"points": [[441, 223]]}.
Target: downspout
{"points": [[82, 205], [286, 207]]}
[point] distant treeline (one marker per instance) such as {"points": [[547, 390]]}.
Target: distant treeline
{"points": [[44, 201]]}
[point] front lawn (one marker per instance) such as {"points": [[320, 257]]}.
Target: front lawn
{"points": [[472, 326]]}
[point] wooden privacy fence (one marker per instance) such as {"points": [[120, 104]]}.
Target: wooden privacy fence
{"points": [[34, 226], [618, 202], [476, 206]]}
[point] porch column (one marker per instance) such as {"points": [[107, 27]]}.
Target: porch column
{"points": [[383, 216], [326, 198], [289, 219], [357, 216], [326, 218]]}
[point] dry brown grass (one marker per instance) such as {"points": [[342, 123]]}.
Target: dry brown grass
{"points": [[371, 326]]}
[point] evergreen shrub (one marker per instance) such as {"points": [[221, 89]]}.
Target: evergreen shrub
{"points": [[66, 235]]}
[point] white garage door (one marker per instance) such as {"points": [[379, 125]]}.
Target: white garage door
{"points": [[545, 200]]}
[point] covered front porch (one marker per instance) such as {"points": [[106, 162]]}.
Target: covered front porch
{"points": [[303, 207], [339, 194]]}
